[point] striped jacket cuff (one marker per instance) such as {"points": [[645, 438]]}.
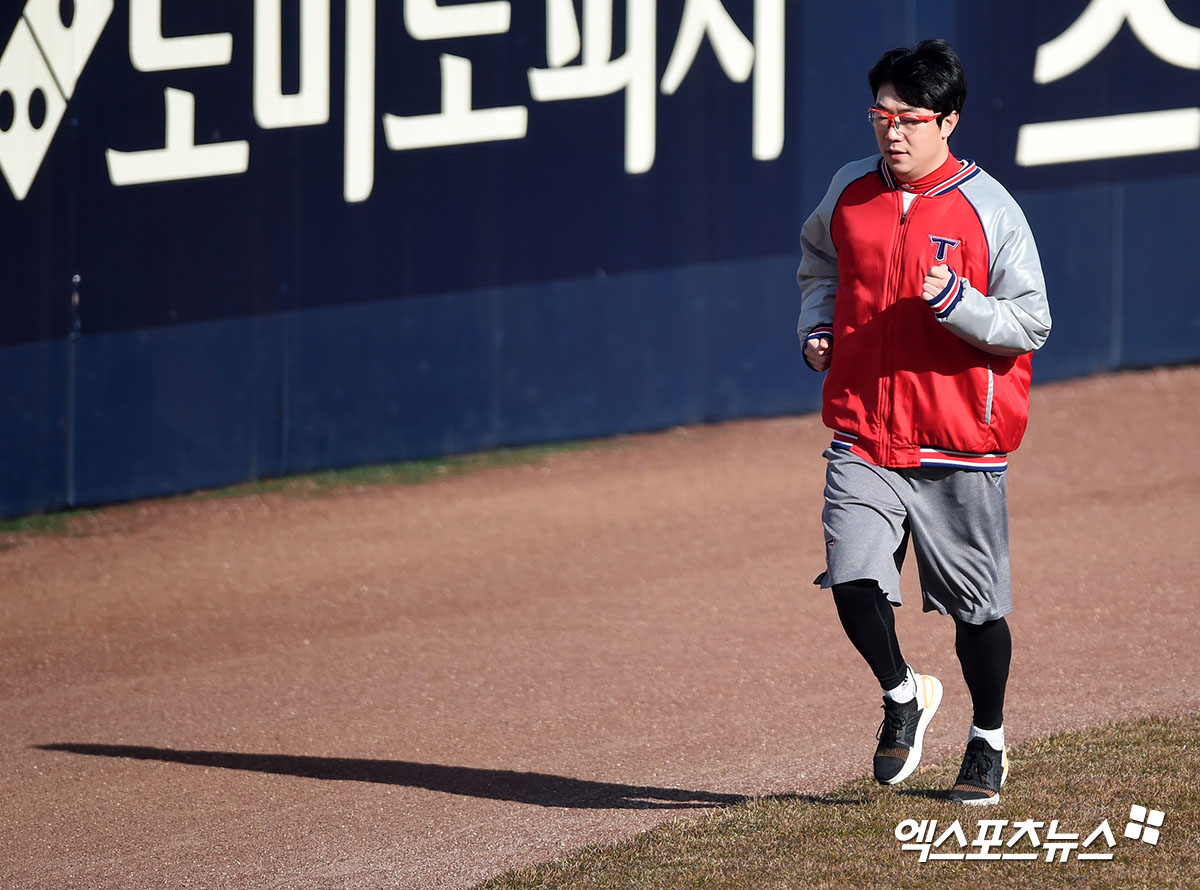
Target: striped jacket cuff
{"points": [[943, 304]]}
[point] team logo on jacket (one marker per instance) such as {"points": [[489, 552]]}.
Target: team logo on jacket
{"points": [[944, 246]]}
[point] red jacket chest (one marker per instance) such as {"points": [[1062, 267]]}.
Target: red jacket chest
{"points": [[885, 250]]}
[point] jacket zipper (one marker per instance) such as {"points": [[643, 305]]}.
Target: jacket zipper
{"points": [[890, 298]]}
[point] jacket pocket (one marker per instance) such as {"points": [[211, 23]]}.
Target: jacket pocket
{"points": [[991, 392]]}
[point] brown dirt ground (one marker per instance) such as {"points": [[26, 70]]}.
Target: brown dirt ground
{"points": [[421, 686]]}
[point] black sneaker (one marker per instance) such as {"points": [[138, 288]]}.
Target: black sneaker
{"points": [[903, 729], [983, 771]]}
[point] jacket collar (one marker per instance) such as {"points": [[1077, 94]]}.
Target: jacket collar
{"points": [[945, 179]]}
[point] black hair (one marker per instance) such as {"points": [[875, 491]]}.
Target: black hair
{"points": [[928, 75]]}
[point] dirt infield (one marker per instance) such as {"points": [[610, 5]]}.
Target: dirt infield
{"points": [[421, 686]]}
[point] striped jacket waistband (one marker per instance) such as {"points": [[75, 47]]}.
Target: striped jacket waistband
{"points": [[934, 457]]}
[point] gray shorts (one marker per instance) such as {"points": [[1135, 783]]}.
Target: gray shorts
{"points": [[958, 522]]}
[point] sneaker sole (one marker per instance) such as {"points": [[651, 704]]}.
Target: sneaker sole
{"points": [[982, 802], [931, 693]]}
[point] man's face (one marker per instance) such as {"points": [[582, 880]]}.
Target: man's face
{"points": [[919, 149]]}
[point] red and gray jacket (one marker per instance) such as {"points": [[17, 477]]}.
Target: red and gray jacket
{"points": [[914, 383]]}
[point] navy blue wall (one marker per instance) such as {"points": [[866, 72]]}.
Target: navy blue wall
{"points": [[239, 326]]}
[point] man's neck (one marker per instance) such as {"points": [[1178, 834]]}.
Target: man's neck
{"points": [[932, 176], [913, 177]]}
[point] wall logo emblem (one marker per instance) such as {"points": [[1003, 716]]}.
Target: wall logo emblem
{"points": [[39, 68]]}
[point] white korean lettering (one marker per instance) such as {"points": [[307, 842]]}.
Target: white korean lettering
{"points": [[955, 830], [310, 104], [911, 829], [1152, 22], [920, 833], [1025, 828], [150, 51], [1109, 136], [1118, 135], [457, 123], [599, 74], [708, 17], [562, 33], [1103, 830], [769, 41], [181, 158], [1058, 842], [359, 145], [425, 20], [989, 838], [738, 57]]}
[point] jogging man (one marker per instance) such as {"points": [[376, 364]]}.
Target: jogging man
{"points": [[923, 298]]}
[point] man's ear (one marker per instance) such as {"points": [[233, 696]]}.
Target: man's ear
{"points": [[949, 122]]}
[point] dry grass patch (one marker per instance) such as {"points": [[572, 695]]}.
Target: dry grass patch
{"points": [[846, 839]]}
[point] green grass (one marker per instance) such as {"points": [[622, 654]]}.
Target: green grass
{"points": [[414, 472], [845, 839], [325, 483], [43, 523]]}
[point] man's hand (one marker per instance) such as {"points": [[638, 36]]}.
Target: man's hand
{"points": [[935, 282], [817, 352]]}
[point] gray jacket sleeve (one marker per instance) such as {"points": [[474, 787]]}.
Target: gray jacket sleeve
{"points": [[1014, 317], [817, 276], [818, 272]]}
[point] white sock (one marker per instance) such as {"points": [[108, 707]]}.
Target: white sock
{"points": [[906, 691], [994, 737]]}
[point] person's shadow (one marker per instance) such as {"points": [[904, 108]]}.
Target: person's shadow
{"points": [[534, 788]]}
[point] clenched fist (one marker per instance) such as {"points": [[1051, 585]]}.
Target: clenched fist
{"points": [[818, 351], [936, 280]]}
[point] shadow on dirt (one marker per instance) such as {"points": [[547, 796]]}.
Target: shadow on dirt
{"points": [[927, 793], [534, 788]]}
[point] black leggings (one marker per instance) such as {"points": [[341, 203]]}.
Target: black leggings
{"points": [[984, 650]]}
